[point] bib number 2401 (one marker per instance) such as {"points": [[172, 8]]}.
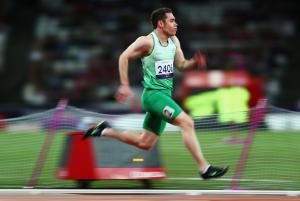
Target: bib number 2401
{"points": [[164, 69]]}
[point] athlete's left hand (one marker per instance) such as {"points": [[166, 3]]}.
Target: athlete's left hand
{"points": [[200, 60]]}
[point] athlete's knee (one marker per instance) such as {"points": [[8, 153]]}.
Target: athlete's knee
{"points": [[184, 121], [147, 140], [188, 122], [144, 146]]}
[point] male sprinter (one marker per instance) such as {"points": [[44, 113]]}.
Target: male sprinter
{"points": [[160, 52]]}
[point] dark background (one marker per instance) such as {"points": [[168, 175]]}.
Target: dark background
{"points": [[51, 49]]}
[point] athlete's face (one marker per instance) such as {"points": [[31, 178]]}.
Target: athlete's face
{"points": [[169, 25]]}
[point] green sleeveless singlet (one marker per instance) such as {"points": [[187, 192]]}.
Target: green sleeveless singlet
{"points": [[158, 67]]}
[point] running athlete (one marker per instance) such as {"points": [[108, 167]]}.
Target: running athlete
{"points": [[160, 53]]}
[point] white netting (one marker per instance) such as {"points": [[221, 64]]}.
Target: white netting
{"points": [[265, 155]]}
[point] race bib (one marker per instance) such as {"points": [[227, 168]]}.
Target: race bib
{"points": [[164, 69]]}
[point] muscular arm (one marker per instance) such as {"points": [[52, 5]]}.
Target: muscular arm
{"points": [[142, 46], [181, 63]]}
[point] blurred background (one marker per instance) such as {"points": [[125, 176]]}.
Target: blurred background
{"points": [[51, 49]]}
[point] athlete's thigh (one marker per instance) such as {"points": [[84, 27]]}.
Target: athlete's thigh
{"points": [[154, 123], [161, 105]]}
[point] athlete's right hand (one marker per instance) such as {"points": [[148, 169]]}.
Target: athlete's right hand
{"points": [[123, 93], [200, 60]]}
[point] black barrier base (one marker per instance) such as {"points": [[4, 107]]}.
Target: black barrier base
{"points": [[86, 184]]}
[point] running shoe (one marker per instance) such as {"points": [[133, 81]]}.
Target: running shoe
{"points": [[214, 172], [96, 131]]}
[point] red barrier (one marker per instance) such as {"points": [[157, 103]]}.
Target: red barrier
{"points": [[80, 160], [2, 123]]}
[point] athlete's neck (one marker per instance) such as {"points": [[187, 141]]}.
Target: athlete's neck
{"points": [[163, 38]]}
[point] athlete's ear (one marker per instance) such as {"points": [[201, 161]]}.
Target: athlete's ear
{"points": [[160, 23]]}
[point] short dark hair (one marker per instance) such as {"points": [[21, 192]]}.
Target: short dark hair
{"points": [[159, 14]]}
